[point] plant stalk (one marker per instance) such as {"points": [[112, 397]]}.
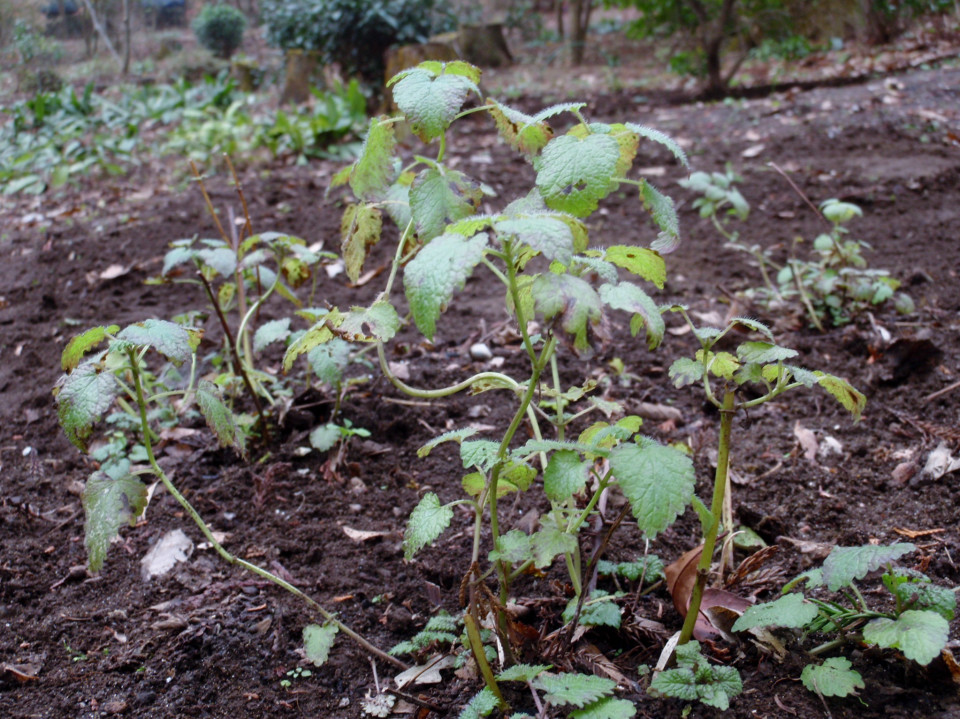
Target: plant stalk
{"points": [[727, 412]]}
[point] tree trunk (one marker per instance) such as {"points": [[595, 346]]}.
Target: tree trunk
{"points": [[103, 33], [581, 10], [484, 45], [126, 37], [559, 8]]}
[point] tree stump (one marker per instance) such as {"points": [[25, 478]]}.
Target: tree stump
{"points": [[484, 45], [300, 66]]}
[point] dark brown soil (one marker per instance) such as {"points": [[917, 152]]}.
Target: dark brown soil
{"points": [[207, 640]]}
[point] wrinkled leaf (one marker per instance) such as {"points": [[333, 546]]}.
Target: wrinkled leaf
{"points": [[431, 101], [426, 523], [80, 344], [570, 298], [657, 481], [218, 415], [845, 564], [833, 678], [439, 198], [640, 261], [630, 298], [565, 475], [919, 634], [573, 174], [174, 342], [359, 231], [438, 270], [108, 504], [317, 642], [576, 689], [270, 332], [791, 610], [82, 398], [373, 172]]}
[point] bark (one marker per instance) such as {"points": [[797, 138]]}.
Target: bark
{"points": [[126, 36]]}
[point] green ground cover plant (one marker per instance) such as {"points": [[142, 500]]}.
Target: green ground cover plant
{"points": [[557, 289], [55, 138], [917, 623]]}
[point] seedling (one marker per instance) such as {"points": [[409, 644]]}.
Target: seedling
{"points": [[116, 495], [240, 272], [762, 365], [696, 679], [918, 624], [293, 675], [536, 248], [835, 284]]}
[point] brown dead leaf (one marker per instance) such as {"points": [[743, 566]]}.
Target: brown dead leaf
{"points": [[359, 535], [113, 272], [21, 672], [603, 666], [952, 665], [681, 576]]}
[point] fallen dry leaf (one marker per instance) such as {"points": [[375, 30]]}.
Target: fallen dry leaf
{"points": [[359, 535], [113, 272], [914, 533], [807, 440], [21, 672]]}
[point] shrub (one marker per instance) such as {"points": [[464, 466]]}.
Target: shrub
{"points": [[219, 28], [352, 33]]}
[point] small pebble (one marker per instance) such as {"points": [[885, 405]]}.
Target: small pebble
{"points": [[480, 352]]}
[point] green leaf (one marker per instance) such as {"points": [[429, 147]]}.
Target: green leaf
{"points": [[640, 261], [791, 610], [522, 672], [720, 364], [439, 198], [664, 139], [513, 547], [374, 172], [576, 689], [649, 567], [481, 705], [329, 360], [438, 270], [845, 564], [317, 642], [698, 679], [921, 635], [223, 260], [80, 344], [82, 398], [109, 504], [175, 257], [270, 332], [456, 435], [916, 589], [851, 399], [657, 481], [628, 297], [570, 298], [174, 342], [573, 174], [431, 101], [377, 323], [479, 453], [607, 708], [763, 353], [663, 212], [324, 437], [359, 231], [685, 371], [598, 611], [752, 324], [313, 337], [426, 523], [544, 233], [833, 678], [548, 543], [565, 475], [396, 201], [522, 132], [218, 415]]}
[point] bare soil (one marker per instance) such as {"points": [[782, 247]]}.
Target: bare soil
{"points": [[209, 641]]}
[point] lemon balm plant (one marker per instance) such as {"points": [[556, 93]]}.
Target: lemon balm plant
{"points": [[115, 494], [535, 249]]}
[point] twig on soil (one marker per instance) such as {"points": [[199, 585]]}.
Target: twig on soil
{"points": [[940, 392]]}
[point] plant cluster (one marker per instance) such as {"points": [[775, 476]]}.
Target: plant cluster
{"points": [[344, 31], [559, 292], [33, 47], [917, 623], [833, 286], [55, 137], [219, 28]]}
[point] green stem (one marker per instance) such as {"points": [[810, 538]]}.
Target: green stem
{"points": [[804, 297], [476, 645], [224, 554], [561, 426], [508, 382], [727, 411]]}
